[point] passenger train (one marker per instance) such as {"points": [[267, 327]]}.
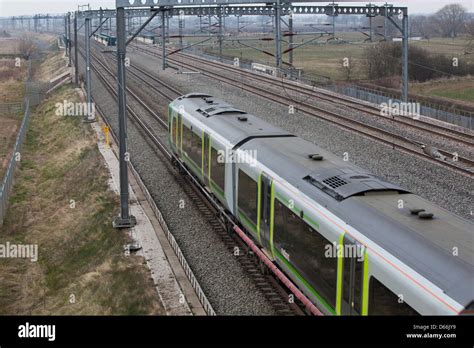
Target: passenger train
{"points": [[105, 39], [147, 38], [353, 243]]}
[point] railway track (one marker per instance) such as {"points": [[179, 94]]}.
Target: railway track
{"points": [[464, 138], [453, 161], [267, 284], [308, 91]]}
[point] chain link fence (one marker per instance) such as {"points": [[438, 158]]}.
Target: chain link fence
{"points": [[7, 182]]}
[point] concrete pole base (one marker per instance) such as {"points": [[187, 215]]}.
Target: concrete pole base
{"points": [[124, 223]]}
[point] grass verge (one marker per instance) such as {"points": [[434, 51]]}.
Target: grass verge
{"points": [[62, 204]]}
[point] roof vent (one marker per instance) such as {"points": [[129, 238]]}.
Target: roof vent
{"points": [[360, 177], [242, 118], [315, 157], [425, 215], [334, 181], [422, 214]]}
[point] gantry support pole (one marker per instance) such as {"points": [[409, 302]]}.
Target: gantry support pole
{"points": [[76, 63], [100, 21], [65, 36], [405, 58], [278, 33], [163, 39], [221, 37], [124, 220], [180, 27], [69, 38], [290, 39], [87, 28], [167, 28]]}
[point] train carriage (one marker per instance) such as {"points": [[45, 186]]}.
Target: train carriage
{"points": [[353, 243], [105, 39]]}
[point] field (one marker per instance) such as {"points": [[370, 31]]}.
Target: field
{"points": [[459, 89], [321, 59]]}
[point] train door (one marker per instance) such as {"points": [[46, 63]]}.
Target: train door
{"points": [[353, 256], [265, 205], [206, 159], [173, 126], [179, 133]]}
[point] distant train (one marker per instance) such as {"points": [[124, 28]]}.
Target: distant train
{"points": [[105, 39], [353, 243], [147, 38], [264, 69]]}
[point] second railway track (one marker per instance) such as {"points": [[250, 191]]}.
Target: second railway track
{"points": [[453, 161], [267, 284]]}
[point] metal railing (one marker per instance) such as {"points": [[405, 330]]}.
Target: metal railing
{"points": [[7, 182]]}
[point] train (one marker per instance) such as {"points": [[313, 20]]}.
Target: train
{"points": [[264, 69], [105, 39], [353, 243], [148, 39]]}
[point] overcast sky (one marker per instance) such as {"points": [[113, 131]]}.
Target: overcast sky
{"points": [[29, 7]]}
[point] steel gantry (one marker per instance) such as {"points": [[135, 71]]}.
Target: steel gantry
{"points": [[39, 22], [276, 9], [220, 8]]}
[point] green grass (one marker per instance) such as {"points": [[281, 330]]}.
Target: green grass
{"points": [[464, 95]]}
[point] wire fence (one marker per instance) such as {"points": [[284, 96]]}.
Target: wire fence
{"points": [[7, 183], [457, 117]]}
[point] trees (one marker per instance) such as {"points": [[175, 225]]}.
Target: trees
{"points": [[450, 20], [384, 61]]}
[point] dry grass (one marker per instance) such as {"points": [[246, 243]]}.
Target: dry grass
{"points": [[460, 89], [56, 66], [326, 59], [80, 254], [8, 130], [9, 45], [12, 80]]}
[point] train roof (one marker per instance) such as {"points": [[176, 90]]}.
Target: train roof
{"points": [[425, 245], [233, 124]]}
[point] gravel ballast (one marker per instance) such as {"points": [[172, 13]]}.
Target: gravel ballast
{"points": [[229, 289], [433, 182]]}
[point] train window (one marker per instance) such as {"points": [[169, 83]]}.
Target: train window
{"points": [[247, 197], [305, 249], [359, 266], [217, 169], [192, 144], [382, 301], [186, 139], [172, 126]]}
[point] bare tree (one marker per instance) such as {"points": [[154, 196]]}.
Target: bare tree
{"points": [[450, 20], [26, 48], [423, 26]]}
